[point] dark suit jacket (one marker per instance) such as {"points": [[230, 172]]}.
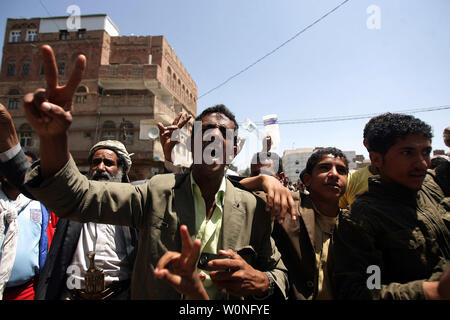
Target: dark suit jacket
{"points": [[52, 278], [295, 240]]}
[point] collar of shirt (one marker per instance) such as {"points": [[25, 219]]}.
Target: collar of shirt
{"points": [[208, 231], [199, 202]]}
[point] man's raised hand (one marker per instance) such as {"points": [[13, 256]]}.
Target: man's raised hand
{"points": [[165, 134], [48, 111]]}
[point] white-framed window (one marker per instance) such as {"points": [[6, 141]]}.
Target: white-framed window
{"points": [[81, 34], [31, 35], [81, 95], [13, 99], [64, 35], [14, 36], [25, 135]]}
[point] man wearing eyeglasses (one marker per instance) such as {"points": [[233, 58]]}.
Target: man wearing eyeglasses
{"points": [[222, 218]]}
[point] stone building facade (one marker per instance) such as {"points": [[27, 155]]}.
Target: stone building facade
{"points": [[130, 84]]}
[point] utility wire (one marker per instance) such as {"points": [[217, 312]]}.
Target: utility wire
{"points": [[274, 50], [357, 117]]}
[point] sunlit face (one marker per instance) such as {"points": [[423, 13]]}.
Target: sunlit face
{"points": [[215, 137], [104, 166], [405, 163], [328, 179]]}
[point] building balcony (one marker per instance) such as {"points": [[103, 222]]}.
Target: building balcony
{"points": [[126, 100]]}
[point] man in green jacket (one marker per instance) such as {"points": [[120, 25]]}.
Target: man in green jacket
{"points": [[221, 216], [394, 242]]}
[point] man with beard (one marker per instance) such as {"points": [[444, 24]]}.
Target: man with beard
{"points": [[114, 246], [226, 219]]}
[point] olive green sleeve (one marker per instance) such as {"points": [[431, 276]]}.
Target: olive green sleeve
{"points": [[71, 195]]}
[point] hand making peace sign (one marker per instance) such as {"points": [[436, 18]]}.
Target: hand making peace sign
{"points": [[49, 111]]}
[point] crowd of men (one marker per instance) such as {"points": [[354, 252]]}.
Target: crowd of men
{"points": [[201, 232]]}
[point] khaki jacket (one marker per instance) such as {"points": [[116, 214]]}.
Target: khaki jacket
{"points": [[157, 209]]}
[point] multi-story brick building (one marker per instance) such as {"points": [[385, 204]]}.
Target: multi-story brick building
{"points": [[130, 84]]}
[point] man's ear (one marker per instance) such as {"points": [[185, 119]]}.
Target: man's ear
{"points": [[307, 179], [376, 159]]}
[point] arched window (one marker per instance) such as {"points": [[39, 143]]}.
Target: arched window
{"points": [[182, 93], [31, 34], [26, 67], [61, 64], [109, 130], [126, 132], [13, 99], [10, 67], [174, 81], [81, 94], [15, 35], [169, 73], [179, 88], [25, 135]]}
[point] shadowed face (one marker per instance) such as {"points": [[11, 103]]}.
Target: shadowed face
{"points": [[213, 146], [104, 166], [406, 162]]}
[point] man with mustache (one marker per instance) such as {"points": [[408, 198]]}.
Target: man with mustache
{"points": [[114, 246], [62, 275], [394, 241], [223, 217]]}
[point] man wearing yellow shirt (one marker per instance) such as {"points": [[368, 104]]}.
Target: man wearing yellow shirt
{"points": [[358, 183]]}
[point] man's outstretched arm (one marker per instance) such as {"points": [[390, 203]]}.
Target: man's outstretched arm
{"points": [[49, 113]]}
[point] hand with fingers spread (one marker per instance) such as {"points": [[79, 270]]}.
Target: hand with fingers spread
{"points": [[237, 277], [165, 134], [279, 199], [8, 134], [180, 269]]}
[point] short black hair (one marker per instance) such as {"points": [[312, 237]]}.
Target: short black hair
{"points": [[31, 155], [317, 156], [437, 161], [368, 128], [221, 108], [259, 157], [387, 128]]}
